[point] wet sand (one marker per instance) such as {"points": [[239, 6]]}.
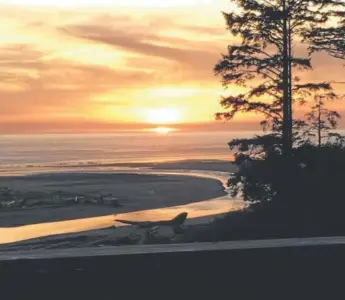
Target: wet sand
{"points": [[102, 231], [192, 186], [134, 192]]}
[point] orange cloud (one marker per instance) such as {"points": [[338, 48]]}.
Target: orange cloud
{"points": [[68, 68]]}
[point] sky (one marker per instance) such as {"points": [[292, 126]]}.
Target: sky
{"points": [[100, 65]]}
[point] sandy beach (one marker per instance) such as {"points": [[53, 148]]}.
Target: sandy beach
{"points": [[139, 196], [133, 191], [192, 185]]}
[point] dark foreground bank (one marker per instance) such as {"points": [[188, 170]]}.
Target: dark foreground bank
{"points": [[279, 269]]}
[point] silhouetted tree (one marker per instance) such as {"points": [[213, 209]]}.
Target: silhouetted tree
{"points": [[329, 38], [322, 120], [282, 190], [263, 61]]}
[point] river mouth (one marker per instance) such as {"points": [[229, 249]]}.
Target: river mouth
{"points": [[209, 206]]}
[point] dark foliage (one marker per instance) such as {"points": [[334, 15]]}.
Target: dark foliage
{"points": [[331, 38], [300, 194], [321, 122], [305, 195]]}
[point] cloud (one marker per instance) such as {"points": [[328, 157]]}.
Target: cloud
{"points": [[64, 65], [76, 68], [193, 57], [54, 86]]}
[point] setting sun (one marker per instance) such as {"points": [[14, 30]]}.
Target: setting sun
{"points": [[163, 130], [163, 115]]}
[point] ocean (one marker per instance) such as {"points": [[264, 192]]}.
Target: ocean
{"points": [[49, 150]]}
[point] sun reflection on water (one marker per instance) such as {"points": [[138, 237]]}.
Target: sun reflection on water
{"points": [[163, 130]]}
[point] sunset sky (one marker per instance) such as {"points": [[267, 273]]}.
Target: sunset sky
{"points": [[117, 64]]}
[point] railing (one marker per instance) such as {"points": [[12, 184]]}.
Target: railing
{"points": [[225, 270]]}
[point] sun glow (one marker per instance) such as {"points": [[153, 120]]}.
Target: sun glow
{"points": [[163, 115], [163, 130]]}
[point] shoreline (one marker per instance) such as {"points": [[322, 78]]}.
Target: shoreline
{"points": [[202, 194], [85, 166], [135, 192]]}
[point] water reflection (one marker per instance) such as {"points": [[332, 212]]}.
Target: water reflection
{"points": [[195, 210]]}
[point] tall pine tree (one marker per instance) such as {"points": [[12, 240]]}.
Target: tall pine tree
{"points": [[263, 61]]}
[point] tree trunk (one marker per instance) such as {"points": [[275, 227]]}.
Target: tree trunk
{"points": [[319, 127], [289, 33], [287, 138]]}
